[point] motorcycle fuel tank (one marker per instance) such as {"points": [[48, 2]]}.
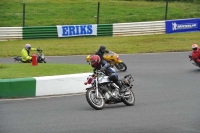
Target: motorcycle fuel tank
{"points": [[104, 79]]}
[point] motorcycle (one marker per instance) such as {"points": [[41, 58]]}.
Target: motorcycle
{"points": [[113, 59], [194, 63], [103, 91], [40, 58]]}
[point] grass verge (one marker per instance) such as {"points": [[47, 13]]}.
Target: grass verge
{"points": [[23, 70], [121, 45]]}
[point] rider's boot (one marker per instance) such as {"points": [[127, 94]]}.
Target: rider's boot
{"points": [[121, 88]]}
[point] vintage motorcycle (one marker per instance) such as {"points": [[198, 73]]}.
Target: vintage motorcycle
{"points": [[113, 59], [194, 63], [40, 58], [103, 91]]}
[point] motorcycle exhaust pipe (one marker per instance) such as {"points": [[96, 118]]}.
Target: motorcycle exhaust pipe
{"points": [[127, 96]]}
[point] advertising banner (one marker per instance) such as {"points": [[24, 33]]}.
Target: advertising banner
{"points": [[77, 30], [182, 25]]}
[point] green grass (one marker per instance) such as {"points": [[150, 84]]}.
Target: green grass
{"points": [[64, 12], [84, 46], [121, 45], [21, 70]]}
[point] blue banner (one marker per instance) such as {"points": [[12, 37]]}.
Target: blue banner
{"points": [[182, 25], [77, 30]]}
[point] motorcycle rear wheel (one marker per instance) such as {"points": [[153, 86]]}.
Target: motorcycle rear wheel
{"points": [[130, 101], [94, 102], [121, 66]]}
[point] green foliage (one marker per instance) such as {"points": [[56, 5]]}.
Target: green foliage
{"points": [[62, 12], [2, 66], [88, 45], [192, 1]]}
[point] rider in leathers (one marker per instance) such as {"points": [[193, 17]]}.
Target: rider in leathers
{"points": [[101, 52], [195, 54], [102, 65]]}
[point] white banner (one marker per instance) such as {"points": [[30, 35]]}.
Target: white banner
{"points": [[77, 30]]}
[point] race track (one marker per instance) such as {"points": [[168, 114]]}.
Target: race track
{"points": [[167, 91]]}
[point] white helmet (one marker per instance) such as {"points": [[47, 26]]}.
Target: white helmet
{"points": [[28, 47]]}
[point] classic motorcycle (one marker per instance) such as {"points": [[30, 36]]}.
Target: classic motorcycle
{"points": [[103, 91], [194, 63], [113, 59], [40, 58]]}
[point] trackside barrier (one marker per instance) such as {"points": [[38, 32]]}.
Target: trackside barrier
{"points": [[11, 33], [43, 86], [116, 29], [39, 32], [20, 87], [139, 28]]}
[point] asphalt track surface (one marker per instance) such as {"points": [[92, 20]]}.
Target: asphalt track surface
{"points": [[167, 91]]}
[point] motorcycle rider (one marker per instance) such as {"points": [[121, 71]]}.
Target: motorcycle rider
{"points": [[102, 65], [195, 54], [25, 53], [101, 51]]}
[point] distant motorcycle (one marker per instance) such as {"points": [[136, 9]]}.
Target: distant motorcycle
{"points": [[40, 58], [194, 63], [113, 59], [103, 91]]}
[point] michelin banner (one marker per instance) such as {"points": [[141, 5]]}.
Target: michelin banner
{"points": [[182, 25], [77, 30]]}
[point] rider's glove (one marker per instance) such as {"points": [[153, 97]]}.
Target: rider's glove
{"points": [[39, 50]]}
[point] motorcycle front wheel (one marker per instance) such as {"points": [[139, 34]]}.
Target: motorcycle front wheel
{"points": [[97, 103], [121, 66], [129, 100]]}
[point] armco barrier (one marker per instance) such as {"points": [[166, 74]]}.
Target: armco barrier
{"points": [[39, 32], [104, 30], [139, 28], [43, 86], [7, 33]]}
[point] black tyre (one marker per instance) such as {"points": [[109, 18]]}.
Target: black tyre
{"points": [[94, 102], [121, 66], [129, 100]]}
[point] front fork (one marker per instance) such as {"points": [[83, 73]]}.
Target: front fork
{"points": [[96, 89]]}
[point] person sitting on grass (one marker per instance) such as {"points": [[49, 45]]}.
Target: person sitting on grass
{"points": [[25, 53]]}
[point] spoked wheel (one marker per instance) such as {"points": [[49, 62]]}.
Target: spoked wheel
{"points": [[129, 99], [95, 102], [121, 66]]}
